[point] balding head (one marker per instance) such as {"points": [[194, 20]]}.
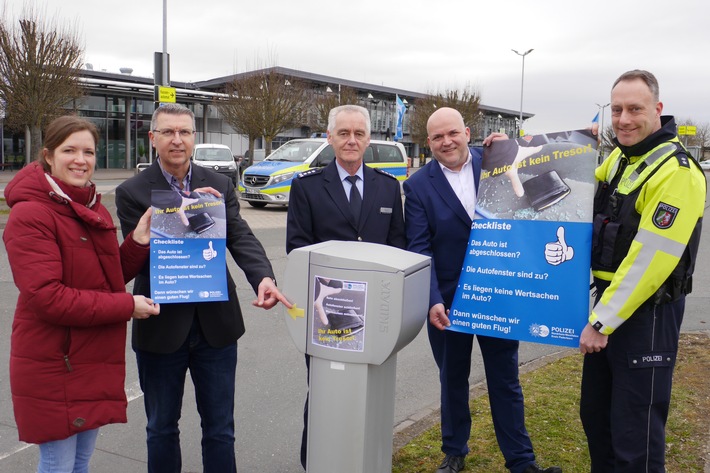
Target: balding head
{"points": [[444, 113], [448, 137]]}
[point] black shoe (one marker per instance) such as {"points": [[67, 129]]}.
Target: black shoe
{"points": [[535, 468], [451, 464]]}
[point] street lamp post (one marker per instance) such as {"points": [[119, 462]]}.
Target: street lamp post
{"points": [[165, 79], [522, 82], [601, 109], [601, 131]]}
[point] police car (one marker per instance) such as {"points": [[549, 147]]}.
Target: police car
{"points": [[269, 182]]}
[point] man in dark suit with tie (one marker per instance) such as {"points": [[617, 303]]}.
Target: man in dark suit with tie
{"points": [[320, 200], [439, 209], [344, 200], [201, 337]]}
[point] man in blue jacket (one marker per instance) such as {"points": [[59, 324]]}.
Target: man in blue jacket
{"points": [[439, 208]]}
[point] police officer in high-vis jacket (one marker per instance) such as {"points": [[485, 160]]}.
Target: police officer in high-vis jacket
{"points": [[648, 214]]}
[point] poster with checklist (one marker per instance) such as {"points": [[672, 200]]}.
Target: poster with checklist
{"points": [[526, 272], [188, 234]]}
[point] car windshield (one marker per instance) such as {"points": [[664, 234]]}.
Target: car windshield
{"points": [[213, 154], [295, 151]]}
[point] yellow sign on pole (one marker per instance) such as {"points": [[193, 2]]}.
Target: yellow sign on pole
{"points": [[687, 130], [166, 94]]}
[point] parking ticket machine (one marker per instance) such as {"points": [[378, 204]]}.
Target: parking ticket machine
{"points": [[356, 305]]}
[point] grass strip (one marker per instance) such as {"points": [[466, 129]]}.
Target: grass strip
{"points": [[552, 419]]}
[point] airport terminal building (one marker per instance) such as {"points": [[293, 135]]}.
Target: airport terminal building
{"points": [[121, 105]]}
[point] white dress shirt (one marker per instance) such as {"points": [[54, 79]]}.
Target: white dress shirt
{"points": [[462, 183]]}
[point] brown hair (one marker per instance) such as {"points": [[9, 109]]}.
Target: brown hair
{"points": [[59, 130], [648, 79]]}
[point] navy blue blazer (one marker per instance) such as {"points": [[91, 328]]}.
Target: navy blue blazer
{"points": [[437, 225], [319, 211], [221, 322]]}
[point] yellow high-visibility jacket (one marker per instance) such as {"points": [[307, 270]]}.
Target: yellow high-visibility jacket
{"points": [[670, 204]]}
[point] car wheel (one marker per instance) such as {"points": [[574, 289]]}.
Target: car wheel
{"points": [[257, 205]]}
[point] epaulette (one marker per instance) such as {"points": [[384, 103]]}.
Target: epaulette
{"points": [[385, 173], [310, 172]]}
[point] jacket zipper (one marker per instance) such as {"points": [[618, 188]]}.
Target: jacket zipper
{"points": [[66, 351]]}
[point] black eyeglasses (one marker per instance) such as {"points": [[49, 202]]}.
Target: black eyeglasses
{"points": [[168, 133]]}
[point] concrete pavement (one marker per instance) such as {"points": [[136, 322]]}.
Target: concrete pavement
{"points": [[270, 375]]}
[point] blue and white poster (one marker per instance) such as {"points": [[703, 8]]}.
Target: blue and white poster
{"points": [[187, 247], [526, 273]]}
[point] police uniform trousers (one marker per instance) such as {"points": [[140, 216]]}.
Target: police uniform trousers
{"points": [[452, 353], [626, 391]]}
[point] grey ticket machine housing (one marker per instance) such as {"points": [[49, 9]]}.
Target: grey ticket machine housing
{"points": [[378, 300]]}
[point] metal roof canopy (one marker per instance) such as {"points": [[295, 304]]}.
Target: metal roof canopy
{"points": [[124, 85]]}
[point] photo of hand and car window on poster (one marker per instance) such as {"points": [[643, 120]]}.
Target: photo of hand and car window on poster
{"points": [[526, 272]]}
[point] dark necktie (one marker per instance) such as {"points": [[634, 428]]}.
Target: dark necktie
{"points": [[355, 198]]}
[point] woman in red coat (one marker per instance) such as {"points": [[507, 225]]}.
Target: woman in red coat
{"points": [[67, 356]]}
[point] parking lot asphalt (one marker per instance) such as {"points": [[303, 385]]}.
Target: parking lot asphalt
{"points": [[270, 386]]}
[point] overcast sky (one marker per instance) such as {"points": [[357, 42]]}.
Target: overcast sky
{"points": [[423, 46]]}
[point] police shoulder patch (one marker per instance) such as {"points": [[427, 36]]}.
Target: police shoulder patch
{"points": [[310, 172], [385, 173], [664, 216]]}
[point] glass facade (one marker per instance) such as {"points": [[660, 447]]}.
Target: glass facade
{"points": [[122, 107], [108, 113], [117, 127]]}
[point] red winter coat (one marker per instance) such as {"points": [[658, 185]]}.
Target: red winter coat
{"points": [[67, 356]]}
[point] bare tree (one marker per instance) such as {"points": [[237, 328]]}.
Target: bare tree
{"points": [[265, 103], [607, 140], [466, 101], [328, 101], [241, 113], [701, 137], [38, 73]]}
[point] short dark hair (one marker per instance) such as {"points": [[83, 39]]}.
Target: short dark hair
{"points": [[59, 130], [171, 109], [648, 78]]}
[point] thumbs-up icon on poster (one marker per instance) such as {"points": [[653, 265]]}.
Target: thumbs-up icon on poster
{"points": [[558, 252], [209, 253]]}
